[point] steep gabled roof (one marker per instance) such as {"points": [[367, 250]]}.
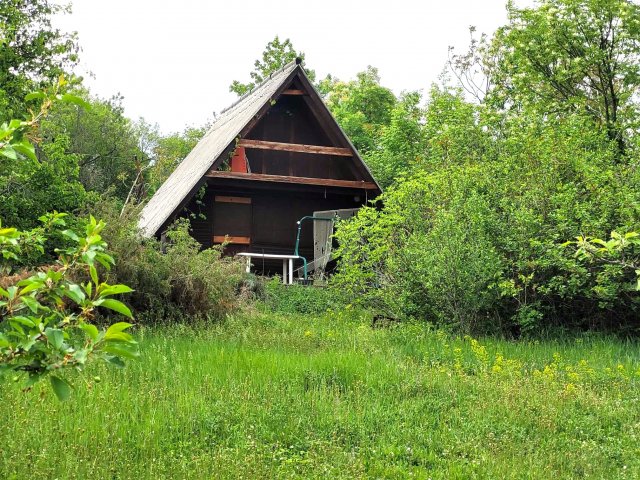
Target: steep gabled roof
{"points": [[189, 175]]}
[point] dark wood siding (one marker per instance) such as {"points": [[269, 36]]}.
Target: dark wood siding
{"points": [[291, 121], [274, 217]]}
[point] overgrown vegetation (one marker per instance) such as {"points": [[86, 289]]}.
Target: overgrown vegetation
{"points": [[319, 397], [483, 195]]}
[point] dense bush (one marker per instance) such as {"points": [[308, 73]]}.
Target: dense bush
{"points": [[479, 208], [177, 280], [476, 240]]}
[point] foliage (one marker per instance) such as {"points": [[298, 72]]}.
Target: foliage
{"points": [[401, 143], [276, 55], [169, 151], [103, 143], [472, 236], [47, 317], [34, 182], [621, 250], [481, 196], [33, 54], [565, 57], [172, 280], [273, 396], [362, 107]]}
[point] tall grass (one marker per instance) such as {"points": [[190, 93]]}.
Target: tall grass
{"points": [[296, 397]]}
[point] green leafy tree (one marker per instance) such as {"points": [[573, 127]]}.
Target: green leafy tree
{"points": [[46, 317], [276, 55], [621, 251], [105, 144], [33, 182], [362, 107], [33, 53], [564, 57], [169, 151]]}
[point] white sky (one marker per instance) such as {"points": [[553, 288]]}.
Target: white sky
{"points": [[174, 60]]}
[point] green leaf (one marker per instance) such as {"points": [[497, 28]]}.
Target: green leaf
{"points": [[119, 337], [55, 336], [116, 306], [69, 98], [32, 303], [116, 332], [26, 321], [9, 152], [25, 149], [31, 285], [121, 350], [94, 274], [61, 388], [71, 234], [115, 290], [90, 330], [75, 293], [34, 96]]}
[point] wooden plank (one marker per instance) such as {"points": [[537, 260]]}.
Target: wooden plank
{"points": [[325, 182], [230, 239], [226, 199], [295, 147], [294, 91]]}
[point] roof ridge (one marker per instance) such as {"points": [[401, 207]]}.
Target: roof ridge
{"points": [[260, 85]]}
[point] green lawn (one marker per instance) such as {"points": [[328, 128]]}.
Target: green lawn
{"points": [[268, 396]]}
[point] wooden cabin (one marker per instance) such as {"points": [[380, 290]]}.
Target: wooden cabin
{"points": [[272, 158]]}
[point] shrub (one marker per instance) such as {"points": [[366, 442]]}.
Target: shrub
{"points": [[481, 239], [173, 281]]}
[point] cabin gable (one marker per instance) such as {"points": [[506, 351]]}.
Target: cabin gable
{"points": [[275, 156]]}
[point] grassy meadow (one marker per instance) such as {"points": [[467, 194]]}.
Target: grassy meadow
{"points": [[273, 396]]}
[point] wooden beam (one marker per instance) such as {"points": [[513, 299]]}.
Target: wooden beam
{"points": [[293, 91], [323, 182], [227, 199], [231, 239], [295, 147]]}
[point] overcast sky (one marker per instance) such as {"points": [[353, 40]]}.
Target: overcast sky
{"points": [[174, 61]]}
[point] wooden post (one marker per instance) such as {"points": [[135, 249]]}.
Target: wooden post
{"points": [[248, 264]]}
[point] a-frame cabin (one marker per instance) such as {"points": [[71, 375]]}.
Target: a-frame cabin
{"points": [[270, 159]]}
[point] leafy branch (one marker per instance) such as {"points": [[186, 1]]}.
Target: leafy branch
{"points": [[618, 250], [46, 320]]}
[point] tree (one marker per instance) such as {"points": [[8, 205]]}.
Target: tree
{"points": [[275, 56], [362, 106], [104, 143], [46, 316], [169, 151], [36, 181], [564, 57], [33, 53]]}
